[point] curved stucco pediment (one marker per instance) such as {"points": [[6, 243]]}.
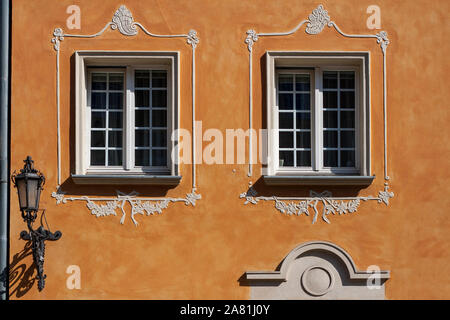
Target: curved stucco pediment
{"points": [[317, 270]]}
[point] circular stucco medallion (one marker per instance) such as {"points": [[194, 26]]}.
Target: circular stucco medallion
{"points": [[317, 281]]}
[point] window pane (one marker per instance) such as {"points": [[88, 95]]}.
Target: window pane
{"points": [[285, 101], [347, 99], [142, 138], [303, 158], [159, 79], [115, 100], [286, 120], [348, 159], [347, 139], [142, 157], [142, 99], [159, 138], [142, 79], [97, 157], [114, 157], [303, 120], [115, 119], [98, 81], [303, 140], [159, 157], [97, 138], [115, 138], [98, 100], [98, 119], [330, 119], [330, 80], [330, 139], [302, 82], [286, 82], [141, 118], [330, 99], [347, 119], [159, 118], [302, 101], [347, 79], [286, 158], [115, 81], [330, 158], [286, 139], [159, 98]]}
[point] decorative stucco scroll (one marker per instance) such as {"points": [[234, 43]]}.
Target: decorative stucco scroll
{"points": [[318, 19], [330, 205], [123, 21], [101, 207], [315, 24]]}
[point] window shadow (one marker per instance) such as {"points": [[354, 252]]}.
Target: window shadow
{"points": [[304, 191]]}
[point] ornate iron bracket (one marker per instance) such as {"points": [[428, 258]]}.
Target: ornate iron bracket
{"points": [[38, 238]]}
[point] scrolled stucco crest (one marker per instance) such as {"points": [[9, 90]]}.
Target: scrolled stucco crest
{"points": [[192, 38], [382, 39], [124, 22], [58, 36], [317, 20], [251, 38]]}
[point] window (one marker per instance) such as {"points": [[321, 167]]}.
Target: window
{"points": [[318, 118], [126, 113]]}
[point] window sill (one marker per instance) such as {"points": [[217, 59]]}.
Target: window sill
{"points": [[318, 180], [117, 179]]}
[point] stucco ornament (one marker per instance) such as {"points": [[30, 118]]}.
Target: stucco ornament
{"points": [[124, 22], [58, 36], [330, 205], [317, 20], [102, 207], [192, 38], [252, 37], [382, 39], [385, 195]]}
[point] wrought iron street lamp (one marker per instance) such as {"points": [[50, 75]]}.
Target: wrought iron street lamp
{"points": [[29, 183]]}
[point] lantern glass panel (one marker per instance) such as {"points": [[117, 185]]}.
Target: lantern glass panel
{"points": [[33, 193], [22, 192]]}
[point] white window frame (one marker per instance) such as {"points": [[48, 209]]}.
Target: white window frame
{"points": [[86, 63], [315, 63]]}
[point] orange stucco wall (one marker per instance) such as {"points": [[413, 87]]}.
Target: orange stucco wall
{"points": [[200, 253]]}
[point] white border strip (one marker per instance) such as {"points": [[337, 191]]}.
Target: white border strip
{"points": [[317, 20], [123, 21]]}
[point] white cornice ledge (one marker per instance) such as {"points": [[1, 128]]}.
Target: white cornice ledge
{"points": [[265, 275], [99, 179], [318, 180]]}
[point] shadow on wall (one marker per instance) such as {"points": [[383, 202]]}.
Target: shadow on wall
{"points": [[21, 276]]}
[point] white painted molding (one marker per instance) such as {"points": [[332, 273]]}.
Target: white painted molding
{"points": [[316, 22], [123, 21]]}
